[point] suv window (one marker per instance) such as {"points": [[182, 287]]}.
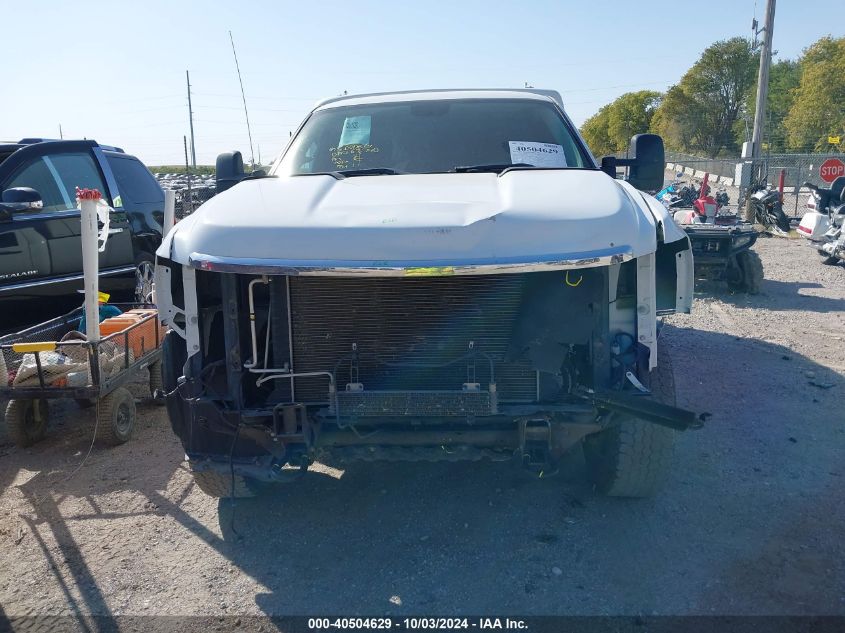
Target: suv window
{"points": [[134, 181], [56, 178], [434, 137]]}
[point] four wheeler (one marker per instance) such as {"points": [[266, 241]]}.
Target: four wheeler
{"points": [[721, 244]]}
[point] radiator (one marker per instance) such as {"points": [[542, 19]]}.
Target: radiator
{"points": [[408, 334]]}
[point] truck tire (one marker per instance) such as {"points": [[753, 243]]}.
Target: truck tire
{"points": [[632, 458], [219, 485], [26, 421], [116, 417], [156, 383], [750, 279]]}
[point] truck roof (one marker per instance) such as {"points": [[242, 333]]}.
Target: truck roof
{"points": [[436, 94]]}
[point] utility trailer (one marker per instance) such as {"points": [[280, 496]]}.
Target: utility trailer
{"points": [[53, 360]]}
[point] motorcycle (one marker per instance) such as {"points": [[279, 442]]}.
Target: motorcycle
{"points": [[768, 209], [822, 226], [668, 196]]}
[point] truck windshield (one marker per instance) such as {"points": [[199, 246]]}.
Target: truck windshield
{"points": [[434, 137]]}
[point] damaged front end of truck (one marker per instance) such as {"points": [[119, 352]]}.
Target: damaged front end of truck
{"points": [[455, 316]]}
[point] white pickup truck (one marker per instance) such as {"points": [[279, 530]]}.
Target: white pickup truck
{"points": [[429, 275]]}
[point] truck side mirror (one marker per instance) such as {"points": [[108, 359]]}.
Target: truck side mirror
{"points": [[229, 170], [648, 161], [19, 199]]}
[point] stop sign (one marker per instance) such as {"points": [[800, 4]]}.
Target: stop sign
{"points": [[831, 169]]}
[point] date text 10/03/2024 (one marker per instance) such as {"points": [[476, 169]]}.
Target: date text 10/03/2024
{"points": [[418, 623]]}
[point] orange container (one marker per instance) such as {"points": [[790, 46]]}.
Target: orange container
{"points": [[142, 338]]}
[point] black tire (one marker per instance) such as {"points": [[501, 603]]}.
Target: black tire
{"points": [[156, 383], [779, 219], [219, 485], [26, 421], [632, 458], [116, 417], [144, 267], [750, 277], [827, 260]]}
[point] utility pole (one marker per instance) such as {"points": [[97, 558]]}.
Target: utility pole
{"points": [[60, 132], [762, 90], [191, 120]]}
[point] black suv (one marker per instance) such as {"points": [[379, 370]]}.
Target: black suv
{"points": [[40, 248]]}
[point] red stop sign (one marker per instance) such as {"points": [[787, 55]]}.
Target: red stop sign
{"points": [[831, 169]]}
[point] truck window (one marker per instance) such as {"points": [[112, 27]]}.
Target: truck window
{"points": [[434, 137], [134, 181]]}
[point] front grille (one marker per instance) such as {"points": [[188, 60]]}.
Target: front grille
{"points": [[410, 333]]}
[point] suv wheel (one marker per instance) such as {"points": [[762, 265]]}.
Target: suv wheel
{"points": [[144, 269]]}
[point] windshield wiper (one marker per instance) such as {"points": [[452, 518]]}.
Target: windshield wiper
{"points": [[373, 171], [496, 167]]}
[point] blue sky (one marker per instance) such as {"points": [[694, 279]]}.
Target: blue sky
{"points": [[115, 71]]}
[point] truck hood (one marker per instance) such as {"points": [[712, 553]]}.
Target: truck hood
{"points": [[420, 220]]}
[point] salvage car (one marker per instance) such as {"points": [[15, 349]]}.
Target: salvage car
{"points": [[40, 243], [430, 275]]}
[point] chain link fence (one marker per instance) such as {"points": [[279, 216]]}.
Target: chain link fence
{"points": [[191, 191], [796, 169]]}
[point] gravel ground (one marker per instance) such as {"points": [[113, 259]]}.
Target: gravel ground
{"points": [[749, 523]]}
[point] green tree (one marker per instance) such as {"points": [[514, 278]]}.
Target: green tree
{"points": [[818, 110], [610, 130], [699, 113], [784, 77], [595, 132]]}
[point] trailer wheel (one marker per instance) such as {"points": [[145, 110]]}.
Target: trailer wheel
{"points": [[632, 458], [156, 382], [116, 417], [26, 421], [219, 485], [750, 277]]}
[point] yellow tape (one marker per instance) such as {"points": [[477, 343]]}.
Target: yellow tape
{"points": [[434, 271], [23, 348]]}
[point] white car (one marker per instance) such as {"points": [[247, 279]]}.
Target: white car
{"points": [[443, 274]]}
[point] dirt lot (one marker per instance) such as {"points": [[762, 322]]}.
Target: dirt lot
{"points": [[750, 521]]}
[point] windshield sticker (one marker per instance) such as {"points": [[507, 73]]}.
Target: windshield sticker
{"points": [[537, 154], [350, 156], [356, 131]]}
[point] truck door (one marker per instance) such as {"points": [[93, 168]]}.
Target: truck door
{"points": [[48, 240]]}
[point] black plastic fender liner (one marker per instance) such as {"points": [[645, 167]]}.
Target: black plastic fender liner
{"points": [[647, 409]]}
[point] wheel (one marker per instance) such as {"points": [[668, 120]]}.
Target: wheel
{"points": [[750, 277], [156, 383], [217, 484], [144, 269], [827, 260], [779, 219], [26, 421], [632, 458], [116, 417]]}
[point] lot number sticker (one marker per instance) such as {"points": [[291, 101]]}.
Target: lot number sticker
{"points": [[537, 154]]}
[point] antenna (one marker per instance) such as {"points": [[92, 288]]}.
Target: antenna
{"points": [[243, 96], [191, 119]]}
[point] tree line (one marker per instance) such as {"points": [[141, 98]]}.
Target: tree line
{"points": [[710, 111]]}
